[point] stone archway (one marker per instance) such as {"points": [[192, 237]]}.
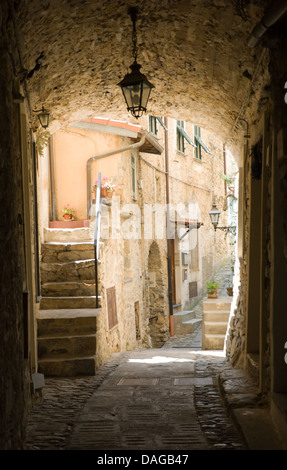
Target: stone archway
{"points": [[157, 314], [69, 55]]}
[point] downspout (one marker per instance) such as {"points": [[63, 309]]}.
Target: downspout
{"points": [[169, 267], [224, 168], [104, 155], [268, 20], [53, 214]]}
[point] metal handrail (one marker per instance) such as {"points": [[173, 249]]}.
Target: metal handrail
{"points": [[98, 211]]}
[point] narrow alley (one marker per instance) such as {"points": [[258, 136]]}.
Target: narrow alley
{"points": [[122, 193], [177, 397]]}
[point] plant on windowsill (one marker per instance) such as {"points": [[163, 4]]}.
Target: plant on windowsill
{"points": [[212, 287], [68, 212], [107, 188]]}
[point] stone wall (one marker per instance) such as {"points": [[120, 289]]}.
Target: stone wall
{"points": [[121, 269], [193, 186], [251, 318], [14, 379]]}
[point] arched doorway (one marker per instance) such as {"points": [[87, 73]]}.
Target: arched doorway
{"points": [[157, 313]]}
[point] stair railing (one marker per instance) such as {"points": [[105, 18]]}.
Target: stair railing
{"points": [[98, 211]]}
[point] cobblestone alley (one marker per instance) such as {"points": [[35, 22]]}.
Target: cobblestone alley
{"points": [[169, 398]]}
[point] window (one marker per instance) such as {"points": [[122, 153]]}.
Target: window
{"points": [[179, 136], [133, 164], [199, 144], [198, 155], [161, 122], [153, 125]]}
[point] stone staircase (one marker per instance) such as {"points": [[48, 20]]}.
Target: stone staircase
{"points": [[185, 322], [67, 317], [215, 316]]}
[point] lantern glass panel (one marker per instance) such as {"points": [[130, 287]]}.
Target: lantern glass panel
{"points": [[44, 119], [214, 215]]}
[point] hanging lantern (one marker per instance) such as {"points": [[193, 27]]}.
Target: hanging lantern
{"points": [[135, 86]]}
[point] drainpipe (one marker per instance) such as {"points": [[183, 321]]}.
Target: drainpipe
{"points": [[224, 166], [268, 20], [104, 155], [53, 215], [169, 267]]}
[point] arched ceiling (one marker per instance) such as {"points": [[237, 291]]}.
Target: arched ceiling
{"points": [[194, 52]]}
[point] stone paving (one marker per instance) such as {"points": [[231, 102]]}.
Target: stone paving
{"points": [[167, 398], [177, 397]]}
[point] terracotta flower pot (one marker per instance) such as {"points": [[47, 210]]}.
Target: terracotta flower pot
{"points": [[104, 193], [212, 295], [67, 216], [230, 291]]}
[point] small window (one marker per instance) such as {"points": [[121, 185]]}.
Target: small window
{"points": [[198, 154], [200, 144], [133, 165], [180, 137], [153, 125]]}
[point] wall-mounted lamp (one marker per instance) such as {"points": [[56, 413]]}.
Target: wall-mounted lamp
{"points": [[135, 86], [43, 117], [246, 135], [214, 217]]}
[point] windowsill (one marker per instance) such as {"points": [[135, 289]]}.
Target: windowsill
{"points": [[181, 153], [198, 160]]}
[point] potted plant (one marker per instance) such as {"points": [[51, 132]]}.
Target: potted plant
{"points": [[229, 289], [68, 212], [212, 287], [107, 188]]}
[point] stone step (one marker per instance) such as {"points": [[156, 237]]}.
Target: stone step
{"points": [[67, 342], [67, 347], [213, 341], [187, 327], [68, 235], [190, 326], [51, 303], [221, 303], [185, 322], [183, 315], [215, 328], [73, 367], [72, 271], [64, 252], [66, 289], [67, 322], [176, 308], [214, 316]]}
